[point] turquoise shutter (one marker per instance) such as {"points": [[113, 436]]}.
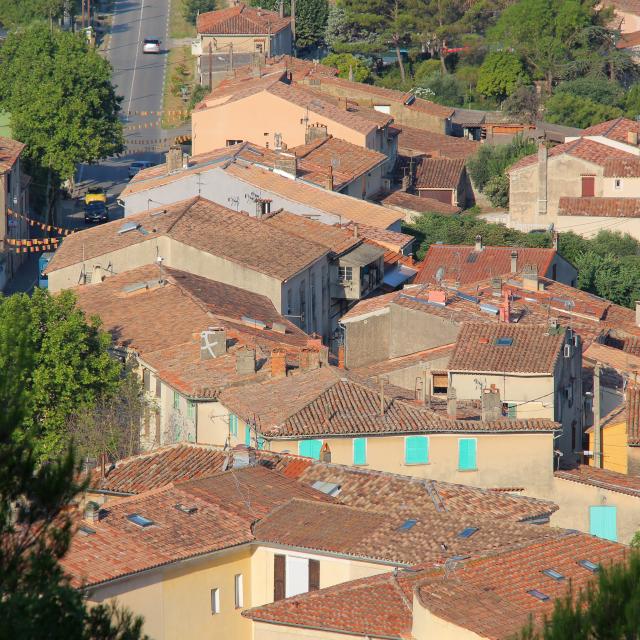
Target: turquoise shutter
{"points": [[233, 424], [603, 522], [247, 436], [260, 443], [467, 454], [359, 451], [310, 448], [416, 450]]}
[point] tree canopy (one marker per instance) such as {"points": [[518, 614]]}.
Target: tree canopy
{"points": [[20, 12], [501, 74], [347, 63], [60, 97], [191, 8]]}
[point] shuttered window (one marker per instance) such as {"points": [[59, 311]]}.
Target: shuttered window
{"points": [[603, 522], [359, 451], [416, 450], [467, 454], [314, 575], [158, 440], [247, 435], [279, 577], [512, 410], [310, 448], [158, 388], [146, 379], [233, 424]]}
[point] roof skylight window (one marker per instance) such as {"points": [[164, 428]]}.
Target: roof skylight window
{"points": [[467, 532], [407, 524], [503, 342], [86, 531], [589, 566], [330, 488], [552, 573], [538, 594], [141, 521]]}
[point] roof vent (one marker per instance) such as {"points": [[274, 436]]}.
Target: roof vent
{"points": [[330, 488], [503, 342], [552, 573], [278, 327], [252, 322], [184, 508], [408, 524], [134, 286]]}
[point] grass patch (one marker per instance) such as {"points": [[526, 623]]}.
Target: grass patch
{"points": [[181, 71], [178, 26]]}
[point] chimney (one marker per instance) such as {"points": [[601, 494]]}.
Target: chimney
{"points": [[542, 179], [478, 246], [632, 138], [637, 313], [530, 277], [406, 183], [597, 431], [263, 207], [92, 511], [505, 309], [341, 360], [330, 178], [452, 403], [514, 262], [356, 232], [325, 453], [174, 158], [309, 359], [245, 361], [243, 456], [491, 404], [286, 164], [213, 343], [279, 363], [496, 287], [555, 239], [315, 132]]}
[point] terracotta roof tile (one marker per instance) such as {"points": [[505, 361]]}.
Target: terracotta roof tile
{"points": [[10, 151], [600, 207], [408, 201], [420, 141], [617, 129], [439, 173], [392, 240], [463, 264], [612, 357], [622, 168], [530, 349], [241, 20]]}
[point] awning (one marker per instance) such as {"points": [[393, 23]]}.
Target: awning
{"points": [[362, 255], [398, 274]]}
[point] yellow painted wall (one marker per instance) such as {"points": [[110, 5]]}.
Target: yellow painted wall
{"points": [[427, 626], [589, 226], [504, 460], [262, 631], [614, 447]]}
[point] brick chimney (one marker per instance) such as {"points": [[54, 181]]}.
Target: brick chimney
{"points": [[505, 309], [341, 357], [514, 262], [245, 361], [263, 207], [278, 363], [315, 132], [632, 138], [330, 178], [325, 453], [174, 158], [213, 343], [491, 404], [92, 511], [309, 359], [286, 164], [530, 277]]}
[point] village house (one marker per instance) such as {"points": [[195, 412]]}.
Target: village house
{"points": [[414, 142], [412, 206], [14, 203], [444, 180]]}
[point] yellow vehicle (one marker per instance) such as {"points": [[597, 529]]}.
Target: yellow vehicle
{"points": [[95, 194]]}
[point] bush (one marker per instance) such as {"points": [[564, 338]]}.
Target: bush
{"points": [[598, 90], [446, 89], [575, 111], [343, 62], [497, 190], [425, 69]]}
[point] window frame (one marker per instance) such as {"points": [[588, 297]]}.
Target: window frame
{"points": [[238, 586], [417, 438], [348, 274], [215, 601], [233, 425], [475, 454]]}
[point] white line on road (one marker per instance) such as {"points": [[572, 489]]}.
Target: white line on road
{"points": [[135, 64]]}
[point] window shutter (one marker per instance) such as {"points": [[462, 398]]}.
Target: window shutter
{"points": [[157, 427], [279, 577], [314, 575], [467, 454], [247, 436], [359, 451], [416, 450]]}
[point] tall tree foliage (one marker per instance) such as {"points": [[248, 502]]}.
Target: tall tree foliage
{"points": [[191, 8], [70, 367], [19, 12], [60, 97], [37, 600]]}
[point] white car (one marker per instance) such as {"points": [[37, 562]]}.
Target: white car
{"points": [[151, 45]]}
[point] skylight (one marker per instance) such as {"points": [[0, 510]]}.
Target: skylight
{"points": [[503, 342], [407, 524], [128, 226], [467, 532], [141, 521], [86, 531], [589, 566], [538, 594], [552, 573], [330, 488]]}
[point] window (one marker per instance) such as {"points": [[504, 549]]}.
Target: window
{"points": [[233, 424], [416, 450], [260, 443], [345, 274], [467, 532], [618, 183], [303, 305], [141, 521], [147, 421], [359, 451], [293, 575], [538, 594], [247, 436], [191, 409], [158, 388], [467, 454], [230, 143], [289, 301], [176, 401], [440, 382], [602, 522], [215, 601], [158, 421], [310, 448], [512, 410], [552, 573], [554, 271], [312, 325], [408, 524], [239, 588], [324, 291], [146, 379]]}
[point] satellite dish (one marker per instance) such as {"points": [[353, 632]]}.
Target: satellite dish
{"points": [[439, 274]]}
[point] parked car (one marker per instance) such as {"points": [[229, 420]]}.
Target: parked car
{"points": [[96, 212], [43, 261], [151, 45], [139, 165], [95, 194]]}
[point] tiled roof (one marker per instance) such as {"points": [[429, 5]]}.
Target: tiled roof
{"points": [[463, 264], [439, 173], [203, 225], [376, 535], [490, 596], [241, 20], [410, 202], [587, 150], [418, 141], [531, 349], [600, 207], [622, 168], [337, 204], [10, 151], [375, 607], [612, 357], [602, 478], [392, 240], [399, 363], [328, 402], [617, 129], [394, 494], [297, 67]]}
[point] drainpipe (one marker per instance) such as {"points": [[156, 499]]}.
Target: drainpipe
{"points": [[597, 431]]}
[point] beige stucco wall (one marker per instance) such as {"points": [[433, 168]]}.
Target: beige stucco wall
{"points": [[427, 626], [263, 631], [274, 45], [589, 226], [628, 188], [504, 460], [257, 118]]}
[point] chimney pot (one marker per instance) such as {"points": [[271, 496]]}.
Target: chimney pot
{"points": [[174, 158], [478, 246], [278, 363], [452, 403], [514, 262]]}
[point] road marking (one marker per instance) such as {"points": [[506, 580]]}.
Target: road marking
{"points": [[135, 63]]}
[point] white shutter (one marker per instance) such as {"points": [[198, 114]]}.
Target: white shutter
{"points": [[297, 576]]}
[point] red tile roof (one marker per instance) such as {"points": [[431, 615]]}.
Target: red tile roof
{"points": [[617, 129], [622, 168], [392, 240], [439, 173], [10, 151], [419, 141], [463, 264], [602, 478], [600, 207], [533, 349], [241, 20], [409, 202]]}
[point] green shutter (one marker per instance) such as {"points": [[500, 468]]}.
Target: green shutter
{"points": [[467, 454], [191, 409], [310, 448], [602, 522], [233, 424], [416, 450], [359, 451], [260, 443], [512, 413], [176, 400], [247, 436]]}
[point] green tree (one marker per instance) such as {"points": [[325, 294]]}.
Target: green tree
{"points": [[37, 600], [71, 365], [497, 190], [62, 103], [598, 90], [608, 608], [632, 101], [191, 8], [347, 63], [574, 111], [14, 13], [524, 101], [443, 89], [501, 74]]}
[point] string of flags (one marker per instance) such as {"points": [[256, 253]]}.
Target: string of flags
{"points": [[41, 225], [49, 244], [169, 112]]}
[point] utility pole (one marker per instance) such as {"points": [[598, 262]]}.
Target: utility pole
{"points": [[597, 432], [293, 21], [210, 66], [83, 1]]}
